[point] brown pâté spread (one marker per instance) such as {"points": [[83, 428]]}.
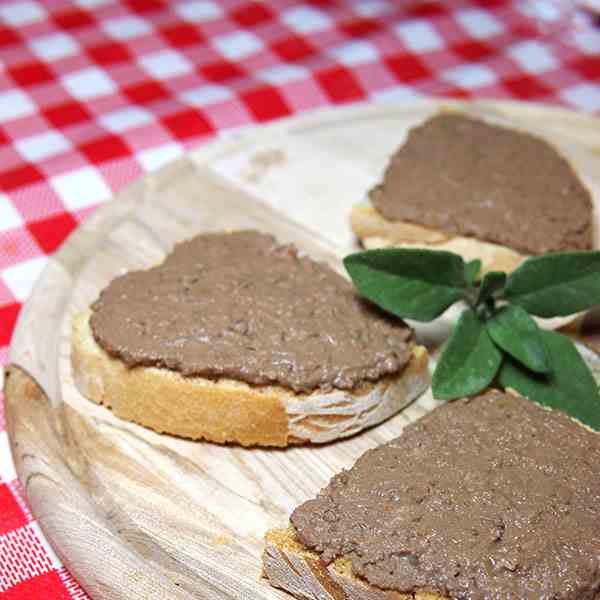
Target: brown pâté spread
{"points": [[467, 177], [490, 498], [240, 305]]}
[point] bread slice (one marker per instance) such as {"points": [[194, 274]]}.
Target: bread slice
{"points": [[233, 411], [375, 231], [472, 495], [291, 566]]}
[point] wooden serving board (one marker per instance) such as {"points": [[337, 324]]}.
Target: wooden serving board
{"points": [[134, 514]]}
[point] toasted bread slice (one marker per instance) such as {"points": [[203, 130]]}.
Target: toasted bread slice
{"points": [[291, 566], [420, 497], [225, 410], [375, 231], [403, 211]]}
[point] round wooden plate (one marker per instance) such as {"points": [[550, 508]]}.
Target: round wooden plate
{"points": [[134, 514]]}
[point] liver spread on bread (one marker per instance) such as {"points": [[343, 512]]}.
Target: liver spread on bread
{"points": [[467, 177], [240, 305], [488, 498]]}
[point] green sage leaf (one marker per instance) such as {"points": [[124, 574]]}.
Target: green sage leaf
{"points": [[472, 270], [492, 283], [469, 361], [556, 284], [570, 387], [410, 283], [515, 332]]}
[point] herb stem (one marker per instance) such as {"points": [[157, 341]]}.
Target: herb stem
{"points": [[495, 330], [471, 296]]}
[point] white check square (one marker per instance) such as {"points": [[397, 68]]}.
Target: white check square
{"points": [[199, 11], [479, 23], [470, 76], [15, 104], [157, 157], [20, 278], [54, 46], [165, 64], [585, 96], [354, 53], [21, 13], [206, 94], [7, 467], [532, 56], [305, 19], [587, 40], [283, 73], [371, 8], [92, 3], [238, 45], [125, 28], [89, 83], [124, 119], [38, 147], [419, 36], [398, 93], [9, 215], [81, 188]]}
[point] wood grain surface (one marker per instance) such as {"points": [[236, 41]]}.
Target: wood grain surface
{"points": [[134, 514]]}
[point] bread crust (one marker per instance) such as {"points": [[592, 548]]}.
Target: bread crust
{"points": [[232, 411], [375, 231], [289, 565]]}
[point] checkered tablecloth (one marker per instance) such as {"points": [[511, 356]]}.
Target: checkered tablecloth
{"points": [[95, 93]]}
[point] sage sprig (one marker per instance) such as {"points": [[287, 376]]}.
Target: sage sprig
{"points": [[471, 360], [495, 341], [415, 284]]}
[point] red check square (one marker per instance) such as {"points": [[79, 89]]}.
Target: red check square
{"points": [[266, 103], [8, 36], [73, 19], [221, 71], [19, 177], [293, 48], [106, 148], [526, 87], [68, 113], [340, 85], [182, 35], [472, 50], [42, 587], [146, 92], [588, 66], [146, 6], [427, 9], [11, 516], [50, 233], [360, 27], [252, 14], [110, 53], [188, 124], [31, 73], [407, 68]]}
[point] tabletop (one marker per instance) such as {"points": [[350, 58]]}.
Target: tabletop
{"points": [[95, 93]]}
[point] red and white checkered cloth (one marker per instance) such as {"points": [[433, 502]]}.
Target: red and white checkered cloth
{"points": [[95, 93]]}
